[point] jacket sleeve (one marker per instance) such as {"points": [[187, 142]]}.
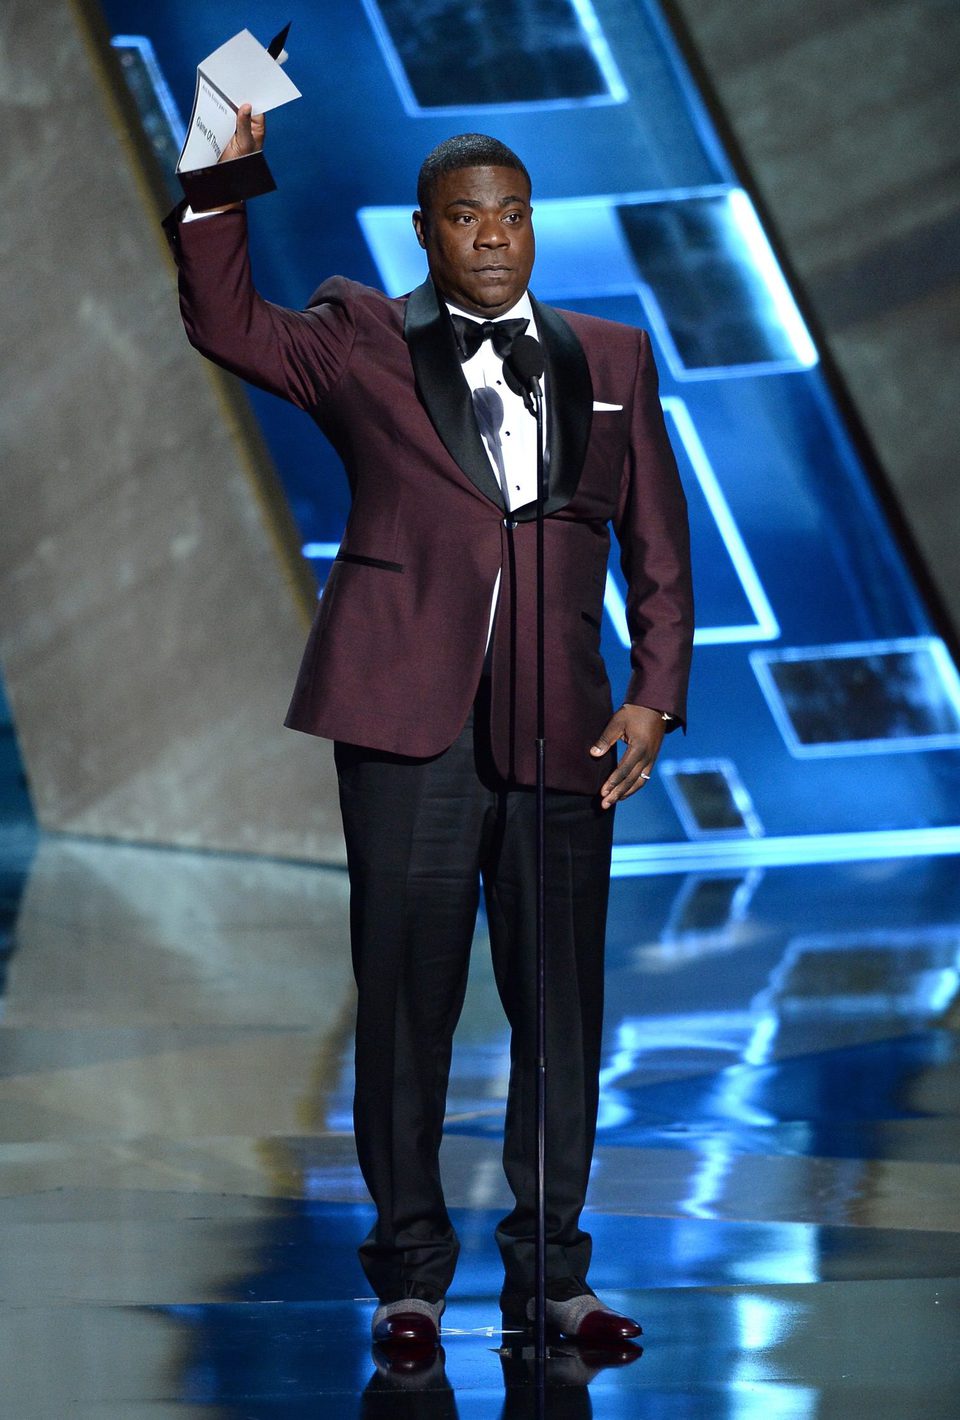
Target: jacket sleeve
{"points": [[298, 355], [653, 532]]}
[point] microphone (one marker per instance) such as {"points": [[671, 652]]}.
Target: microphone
{"points": [[522, 370]]}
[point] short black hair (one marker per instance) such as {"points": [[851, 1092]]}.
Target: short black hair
{"points": [[464, 150]]}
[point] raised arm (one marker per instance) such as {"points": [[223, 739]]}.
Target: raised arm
{"points": [[297, 355]]}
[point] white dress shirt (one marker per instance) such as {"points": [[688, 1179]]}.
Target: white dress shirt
{"points": [[508, 429]]}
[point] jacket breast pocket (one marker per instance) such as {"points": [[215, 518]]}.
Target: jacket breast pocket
{"points": [[358, 560]]}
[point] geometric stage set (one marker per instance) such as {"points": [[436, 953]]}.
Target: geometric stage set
{"points": [[775, 1184], [825, 713]]}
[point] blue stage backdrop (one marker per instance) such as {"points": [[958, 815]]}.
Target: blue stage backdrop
{"points": [[825, 713]]}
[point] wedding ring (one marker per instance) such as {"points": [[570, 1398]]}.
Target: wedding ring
{"points": [[644, 774]]}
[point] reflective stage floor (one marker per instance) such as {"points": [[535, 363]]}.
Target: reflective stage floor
{"points": [[775, 1191]]}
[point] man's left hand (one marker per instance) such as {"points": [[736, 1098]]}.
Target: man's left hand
{"points": [[642, 731]]}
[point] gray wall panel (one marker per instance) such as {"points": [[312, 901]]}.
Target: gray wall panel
{"points": [[847, 114], [153, 605]]}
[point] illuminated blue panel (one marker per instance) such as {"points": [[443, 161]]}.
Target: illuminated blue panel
{"points": [[639, 860], [710, 799], [496, 55], [865, 697], [320, 552], [156, 105], [912, 973], [707, 910], [717, 1037], [764, 626], [713, 288], [714, 555], [605, 246]]}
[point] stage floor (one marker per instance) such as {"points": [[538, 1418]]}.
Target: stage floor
{"points": [[777, 1183]]}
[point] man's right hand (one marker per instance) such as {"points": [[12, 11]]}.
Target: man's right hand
{"points": [[248, 136]]}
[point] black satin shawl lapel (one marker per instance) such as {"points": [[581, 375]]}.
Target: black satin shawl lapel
{"points": [[444, 391], [569, 391]]}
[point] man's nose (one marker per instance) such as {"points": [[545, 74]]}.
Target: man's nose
{"points": [[491, 234]]}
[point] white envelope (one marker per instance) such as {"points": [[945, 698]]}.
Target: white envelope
{"points": [[239, 72]]}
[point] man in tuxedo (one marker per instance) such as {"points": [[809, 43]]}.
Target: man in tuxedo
{"points": [[420, 667]]}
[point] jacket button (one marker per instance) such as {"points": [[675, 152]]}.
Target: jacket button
{"points": [[509, 524]]}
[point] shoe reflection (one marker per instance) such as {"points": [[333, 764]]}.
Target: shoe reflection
{"points": [[568, 1372], [410, 1383]]}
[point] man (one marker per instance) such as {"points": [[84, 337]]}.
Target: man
{"points": [[420, 666]]}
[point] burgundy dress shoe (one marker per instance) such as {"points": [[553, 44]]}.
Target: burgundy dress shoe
{"points": [[582, 1318], [410, 1323], [601, 1327]]}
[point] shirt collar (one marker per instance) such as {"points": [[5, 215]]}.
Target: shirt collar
{"points": [[523, 310]]}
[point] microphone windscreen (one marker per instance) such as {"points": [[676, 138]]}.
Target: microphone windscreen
{"points": [[526, 358]]}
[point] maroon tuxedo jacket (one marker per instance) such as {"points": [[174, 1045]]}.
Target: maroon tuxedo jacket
{"points": [[397, 647]]}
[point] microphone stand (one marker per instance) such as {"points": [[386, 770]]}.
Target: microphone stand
{"points": [[522, 369], [540, 1262], [540, 1265]]}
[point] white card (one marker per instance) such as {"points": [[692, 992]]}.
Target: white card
{"points": [[239, 72]]}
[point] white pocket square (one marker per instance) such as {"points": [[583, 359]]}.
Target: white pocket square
{"points": [[601, 408]]}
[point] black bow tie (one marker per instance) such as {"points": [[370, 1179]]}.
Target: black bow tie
{"points": [[471, 334]]}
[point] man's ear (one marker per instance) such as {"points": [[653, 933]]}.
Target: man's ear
{"points": [[420, 227]]}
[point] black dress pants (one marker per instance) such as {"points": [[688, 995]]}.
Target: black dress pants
{"points": [[420, 835]]}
